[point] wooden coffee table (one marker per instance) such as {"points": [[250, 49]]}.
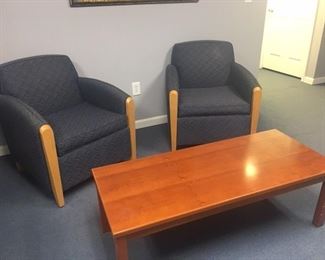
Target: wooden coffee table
{"points": [[144, 196]]}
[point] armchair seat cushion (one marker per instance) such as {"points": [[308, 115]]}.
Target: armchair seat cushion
{"points": [[211, 101], [81, 124]]}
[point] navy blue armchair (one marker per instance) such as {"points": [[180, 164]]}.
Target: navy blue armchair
{"points": [[210, 96], [59, 125]]}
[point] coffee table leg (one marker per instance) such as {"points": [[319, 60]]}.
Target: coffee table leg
{"points": [[105, 225], [319, 215], [121, 249]]}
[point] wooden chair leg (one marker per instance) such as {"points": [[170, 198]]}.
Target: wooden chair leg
{"points": [[130, 112], [173, 110], [50, 154], [255, 108]]}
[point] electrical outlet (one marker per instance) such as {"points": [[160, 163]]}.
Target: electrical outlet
{"points": [[136, 88], [248, 1]]}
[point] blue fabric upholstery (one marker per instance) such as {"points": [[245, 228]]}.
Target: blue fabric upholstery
{"points": [[211, 101], [172, 79], [88, 118], [203, 64], [214, 92], [205, 129], [242, 81], [47, 83], [76, 164], [82, 124], [103, 95], [20, 124]]}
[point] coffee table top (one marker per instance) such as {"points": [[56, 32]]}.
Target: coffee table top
{"points": [[144, 193]]}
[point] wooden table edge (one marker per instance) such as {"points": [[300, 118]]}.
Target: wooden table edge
{"points": [[206, 212]]}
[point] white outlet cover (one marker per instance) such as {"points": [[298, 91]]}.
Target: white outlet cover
{"points": [[136, 88]]}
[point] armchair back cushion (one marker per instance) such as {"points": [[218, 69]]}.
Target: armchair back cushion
{"points": [[203, 64], [47, 83]]}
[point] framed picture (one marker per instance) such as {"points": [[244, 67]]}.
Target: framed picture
{"points": [[81, 3]]}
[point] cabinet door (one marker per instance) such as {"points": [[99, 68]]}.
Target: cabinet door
{"points": [[287, 35]]}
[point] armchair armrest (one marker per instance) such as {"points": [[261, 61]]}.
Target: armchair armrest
{"points": [[109, 97], [21, 126], [246, 85], [172, 79], [243, 82], [103, 95], [172, 88]]}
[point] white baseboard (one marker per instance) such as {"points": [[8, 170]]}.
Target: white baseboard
{"points": [[4, 150], [320, 80], [151, 121], [313, 81], [142, 123], [307, 80]]}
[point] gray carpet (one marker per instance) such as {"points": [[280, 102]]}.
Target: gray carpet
{"points": [[32, 227]]}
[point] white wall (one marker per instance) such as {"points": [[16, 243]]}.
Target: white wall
{"points": [[320, 68], [316, 53]]}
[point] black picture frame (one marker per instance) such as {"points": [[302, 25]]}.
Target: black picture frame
{"points": [[85, 3]]}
